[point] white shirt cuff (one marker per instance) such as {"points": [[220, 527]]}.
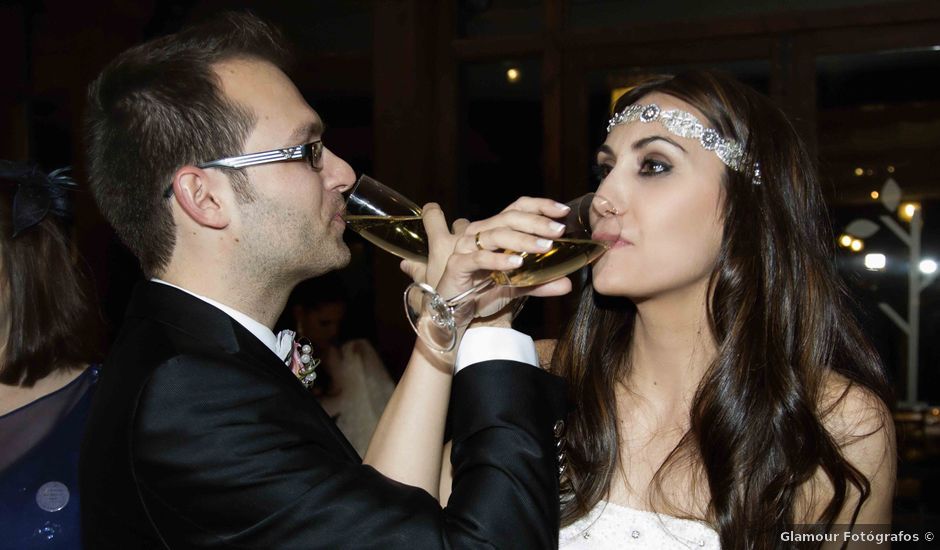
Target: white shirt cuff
{"points": [[488, 343]]}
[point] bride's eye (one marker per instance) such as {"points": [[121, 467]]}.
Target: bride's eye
{"points": [[653, 167]]}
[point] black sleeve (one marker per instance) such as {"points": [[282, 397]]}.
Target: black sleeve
{"points": [[224, 457]]}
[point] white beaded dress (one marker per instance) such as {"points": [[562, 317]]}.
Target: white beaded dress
{"points": [[610, 526]]}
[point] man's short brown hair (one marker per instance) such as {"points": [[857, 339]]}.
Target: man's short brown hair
{"points": [[159, 106]]}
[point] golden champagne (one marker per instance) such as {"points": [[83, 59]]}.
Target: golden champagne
{"points": [[403, 236], [566, 256]]}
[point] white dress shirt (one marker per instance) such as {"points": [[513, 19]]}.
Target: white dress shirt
{"points": [[478, 344], [489, 343], [260, 331]]}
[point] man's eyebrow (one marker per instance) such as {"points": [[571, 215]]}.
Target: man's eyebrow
{"points": [[303, 134], [639, 144]]}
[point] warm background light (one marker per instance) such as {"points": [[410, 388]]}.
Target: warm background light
{"points": [[875, 195], [845, 240], [513, 75], [859, 172], [857, 245], [907, 210], [928, 266], [615, 95]]}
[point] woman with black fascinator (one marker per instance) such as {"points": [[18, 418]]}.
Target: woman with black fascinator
{"points": [[48, 339]]}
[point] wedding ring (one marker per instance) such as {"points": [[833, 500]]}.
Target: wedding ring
{"points": [[477, 241]]}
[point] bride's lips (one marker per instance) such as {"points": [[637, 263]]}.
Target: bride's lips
{"points": [[613, 240]]}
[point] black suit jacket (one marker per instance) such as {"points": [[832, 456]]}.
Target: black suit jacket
{"points": [[199, 437]]}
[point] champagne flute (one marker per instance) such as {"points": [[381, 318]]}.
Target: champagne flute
{"points": [[434, 318], [387, 219]]}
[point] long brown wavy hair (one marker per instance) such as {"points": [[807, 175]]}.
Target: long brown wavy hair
{"points": [[781, 323]]}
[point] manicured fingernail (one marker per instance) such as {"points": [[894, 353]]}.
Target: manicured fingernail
{"points": [[544, 244], [515, 261], [564, 207], [556, 227]]}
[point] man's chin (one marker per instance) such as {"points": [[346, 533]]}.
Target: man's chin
{"points": [[340, 257], [346, 256], [326, 260]]}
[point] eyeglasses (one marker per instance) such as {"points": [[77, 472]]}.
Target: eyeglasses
{"points": [[311, 152]]}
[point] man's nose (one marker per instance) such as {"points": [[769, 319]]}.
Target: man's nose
{"points": [[338, 175]]}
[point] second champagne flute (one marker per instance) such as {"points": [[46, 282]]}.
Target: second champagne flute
{"points": [[434, 318]]}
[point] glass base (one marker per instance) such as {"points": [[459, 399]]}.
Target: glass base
{"points": [[430, 317]]}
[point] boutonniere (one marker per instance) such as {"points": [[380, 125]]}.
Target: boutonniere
{"points": [[303, 364], [297, 354]]}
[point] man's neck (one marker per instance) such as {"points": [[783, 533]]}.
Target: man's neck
{"points": [[259, 302]]}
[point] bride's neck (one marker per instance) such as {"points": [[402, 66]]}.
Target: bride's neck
{"points": [[671, 348]]}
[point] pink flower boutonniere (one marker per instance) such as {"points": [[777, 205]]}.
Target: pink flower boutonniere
{"points": [[303, 364]]}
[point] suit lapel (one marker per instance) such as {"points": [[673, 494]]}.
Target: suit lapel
{"points": [[213, 328]]}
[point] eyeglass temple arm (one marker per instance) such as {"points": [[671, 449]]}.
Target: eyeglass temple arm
{"points": [[256, 158]]}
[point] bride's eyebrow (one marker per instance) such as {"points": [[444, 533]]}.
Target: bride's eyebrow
{"points": [[639, 144]]}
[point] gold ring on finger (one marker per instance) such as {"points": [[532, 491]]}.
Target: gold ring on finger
{"points": [[476, 240]]}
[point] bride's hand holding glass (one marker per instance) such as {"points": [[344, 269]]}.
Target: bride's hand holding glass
{"points": [[463, 257], [527, 227], [438, 319]]}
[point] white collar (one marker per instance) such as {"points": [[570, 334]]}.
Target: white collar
{"points": [[260, 331]]}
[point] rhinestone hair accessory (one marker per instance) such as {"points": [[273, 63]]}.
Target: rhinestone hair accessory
{"points": [[686, 125]]}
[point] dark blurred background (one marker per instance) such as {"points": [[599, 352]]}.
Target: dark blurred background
{"points": [[472, 103]]}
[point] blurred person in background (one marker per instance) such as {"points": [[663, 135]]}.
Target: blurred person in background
{"points": [[48, 341], [352, 383]]}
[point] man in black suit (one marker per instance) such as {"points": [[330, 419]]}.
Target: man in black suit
{"points": [[200, 436]]}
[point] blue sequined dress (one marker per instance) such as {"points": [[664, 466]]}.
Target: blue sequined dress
{"points": [[39, 444]]}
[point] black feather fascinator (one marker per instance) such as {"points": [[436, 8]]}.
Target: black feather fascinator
{"points": [[37, 193]]}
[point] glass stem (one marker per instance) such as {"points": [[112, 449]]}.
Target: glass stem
{"points": [[480, 287]]}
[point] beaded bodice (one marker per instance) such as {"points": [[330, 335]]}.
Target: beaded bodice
{"points": [[611, 526]]}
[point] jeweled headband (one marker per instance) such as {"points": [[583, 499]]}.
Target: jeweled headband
{"points": [[684, 124]]}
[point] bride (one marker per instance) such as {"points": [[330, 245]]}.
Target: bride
{"points": [[721, 392], [718, 377]]}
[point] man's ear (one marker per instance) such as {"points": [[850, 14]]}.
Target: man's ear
{"points": [[202, 197]]}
